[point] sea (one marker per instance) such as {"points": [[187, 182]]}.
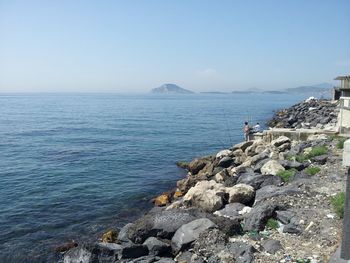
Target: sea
{"points": [[75, 165]]}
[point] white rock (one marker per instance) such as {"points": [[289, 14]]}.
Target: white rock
{"points": [[205, 195], [245, 210], [271, 167], [223, 153]]}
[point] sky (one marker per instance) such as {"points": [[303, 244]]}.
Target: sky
{"points": [[201, 45]]}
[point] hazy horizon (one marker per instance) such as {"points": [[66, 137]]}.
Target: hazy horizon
{"points": [[133, 47]]}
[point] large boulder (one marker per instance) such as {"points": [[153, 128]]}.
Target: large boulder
{"points": [[272, 167], [223, 153], [258, 216], [280, 141], [197, 164], [157, 247], [269, 191], [240, 193], [242, 146], [231, 211], [189, 232], [161, 224], [207, 195], [225, 162]]}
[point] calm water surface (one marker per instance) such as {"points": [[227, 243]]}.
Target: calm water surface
{"points": [[72, 166]]}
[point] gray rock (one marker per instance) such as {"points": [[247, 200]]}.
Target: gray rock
{"points": [[157, 247], [242, 145], [225, 162], [292, 165], [196, 165], [272, 190], [257, 167], [231, 211], [271, 180], [258, 216], [228, 226], [189, 232], [321, 159], [133, 251], [189, 257], [162, 224], [272, 246], [242, 252], [252, 179], [292, 229], [210, 243], [123, 233], [284, 216], [165, 260]]}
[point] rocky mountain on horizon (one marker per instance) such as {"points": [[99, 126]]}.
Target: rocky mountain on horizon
{"points": [[170, 89]]}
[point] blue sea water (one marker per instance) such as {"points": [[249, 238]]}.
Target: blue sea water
{"points": [[74, 165]]}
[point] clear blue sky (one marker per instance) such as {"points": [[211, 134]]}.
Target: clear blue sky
{"points": [[133, 46]]}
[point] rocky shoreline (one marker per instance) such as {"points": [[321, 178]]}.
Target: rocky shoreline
{"points": [[257, 201]]}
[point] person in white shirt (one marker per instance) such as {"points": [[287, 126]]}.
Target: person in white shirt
{"points": [[256, 128]]}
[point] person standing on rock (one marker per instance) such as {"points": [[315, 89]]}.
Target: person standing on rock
{"points": [[246, 131]]}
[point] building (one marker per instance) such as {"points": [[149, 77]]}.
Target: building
{"points": [[342, 94]]}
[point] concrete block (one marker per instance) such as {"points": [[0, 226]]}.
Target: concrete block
{"points": [[346, 153]]}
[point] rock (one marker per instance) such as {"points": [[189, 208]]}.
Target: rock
{"points": [[252, 179], [221, 176], [133, 251], [210, 243], [258, 216], [272, 246], [162, 200], [184, 184], [196, 165], [272, 190], [188, 257], [284, 147], [123, 233], [271, 180], [230, 181], [314, 137], [225, 162], [284, 216], [242, 252], [271, 167], [226, 225], [165, 260], [66, 247], [242, 146], [230, 211], [321, 159], [292, 165], [259, 164], [223, 153], [280, 140], [77, 255], [178, 194], [292, 229], [206, 195], [241, 193], [189, 232], [157, 247], [109, 237], [183, 165], [162, 224], [257, 158]]}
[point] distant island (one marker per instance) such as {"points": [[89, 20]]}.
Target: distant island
{"points": [[170, 89]]}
